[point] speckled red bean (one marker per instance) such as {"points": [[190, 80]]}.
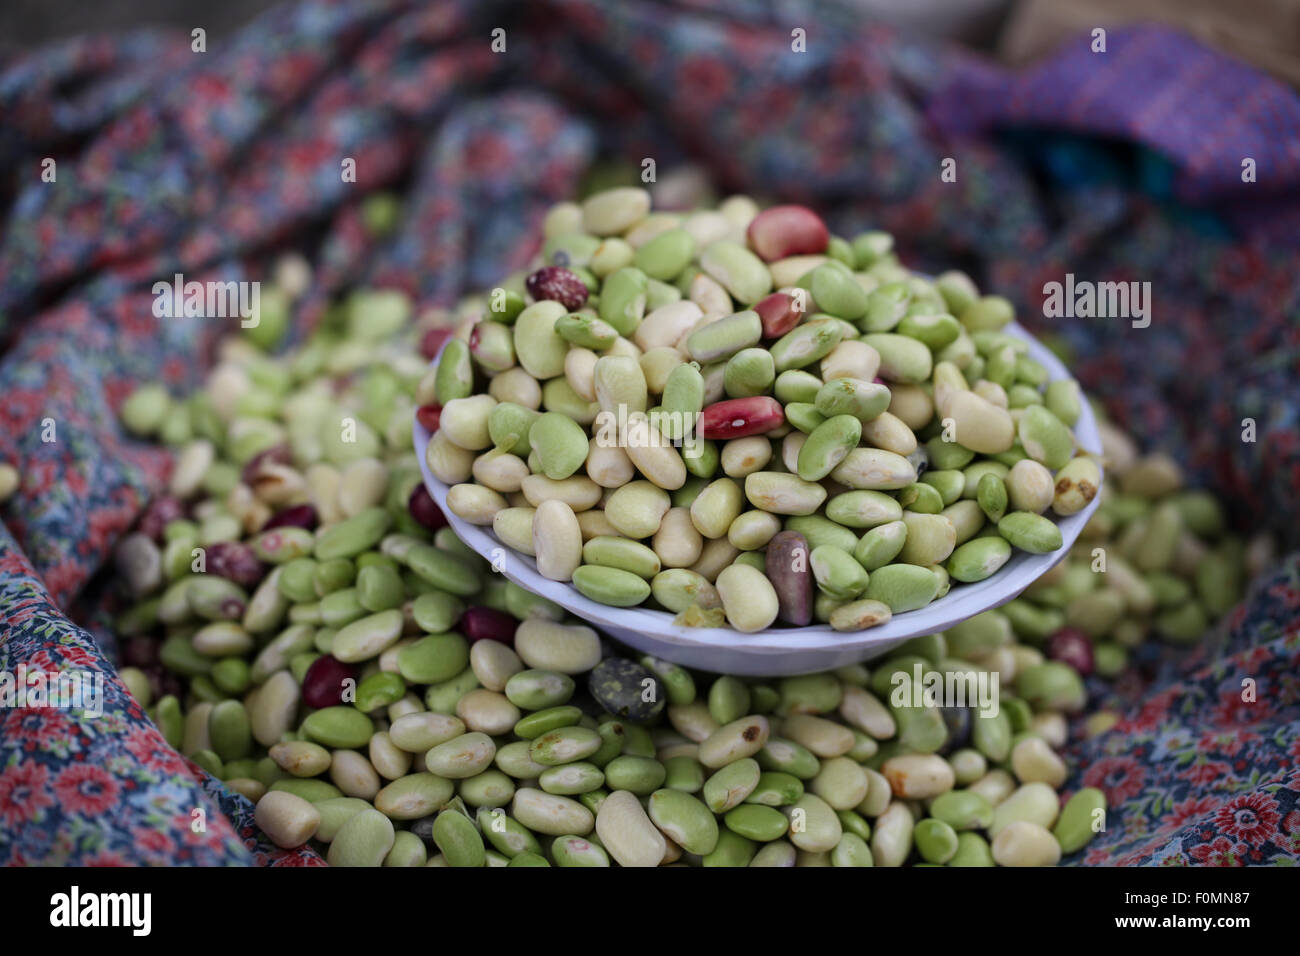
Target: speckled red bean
{"points": [[488, 624], [162, 509], [425, 510], [787, 231], [297, 516], [778, 314], [559, 284], [280, 454], [741, 417], [234, 561], [1071, 646], [322, 685]]}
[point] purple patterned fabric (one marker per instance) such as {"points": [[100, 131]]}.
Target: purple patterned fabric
{"points": [[208, 163]]}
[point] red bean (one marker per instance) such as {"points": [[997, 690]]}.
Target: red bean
{"points": [[558, 283], [778, 314], [739, 417], [425, 510], [298, 516], [1071, 646], [432, 341], [787, 231], [430, 416], [322, 685], [234, 561], [488, 624], [788, 570]]}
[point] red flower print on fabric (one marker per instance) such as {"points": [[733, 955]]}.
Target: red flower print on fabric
{"points": [[1118, 777], [85, 788], [1222, 852], [1251, 817], [24, 792]]}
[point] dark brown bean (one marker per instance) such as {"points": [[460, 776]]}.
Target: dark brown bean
{"points": [[791, 576]]}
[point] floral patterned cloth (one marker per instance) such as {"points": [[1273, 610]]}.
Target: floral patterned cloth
{"points": [[1116, 166]]}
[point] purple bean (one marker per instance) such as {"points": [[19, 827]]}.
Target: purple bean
{"points": [[791, 576], [298, 516], [161, 510], [487, 624], [236, 562]]}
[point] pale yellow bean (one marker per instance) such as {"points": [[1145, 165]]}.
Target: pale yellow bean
{"points": [[557, 540], [918, 776], [667, 325], [517, 386], [888, 431], [734, 741], [627, 832], [474, 503], [744, 456], [465, 422], [707, 293], [500, 471], [1033, 761], [578, 491], [748, 598], [580, 372], [717, 555], [594, 524], [289, 820], [487, 711], [825, 738], [447, 462], [791, 445], [910, 404], [514, 528], [991, 392], [752, 530], [387, 758], [851, 359], [1030, 486], [656, 365], [677, 543], [654, 456], [1025, 844], [353, 775], [716, 506]]}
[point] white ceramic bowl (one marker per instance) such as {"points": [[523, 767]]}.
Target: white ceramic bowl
{"points": [[788, 650]]}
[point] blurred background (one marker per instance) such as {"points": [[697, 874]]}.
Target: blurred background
{"points": [[1264, 33]]}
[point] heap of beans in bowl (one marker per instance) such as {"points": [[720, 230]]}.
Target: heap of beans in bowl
{"points": [[301, 623], [735, 416]]}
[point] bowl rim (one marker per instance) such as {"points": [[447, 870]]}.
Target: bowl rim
{"points": [[962, 602]]}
